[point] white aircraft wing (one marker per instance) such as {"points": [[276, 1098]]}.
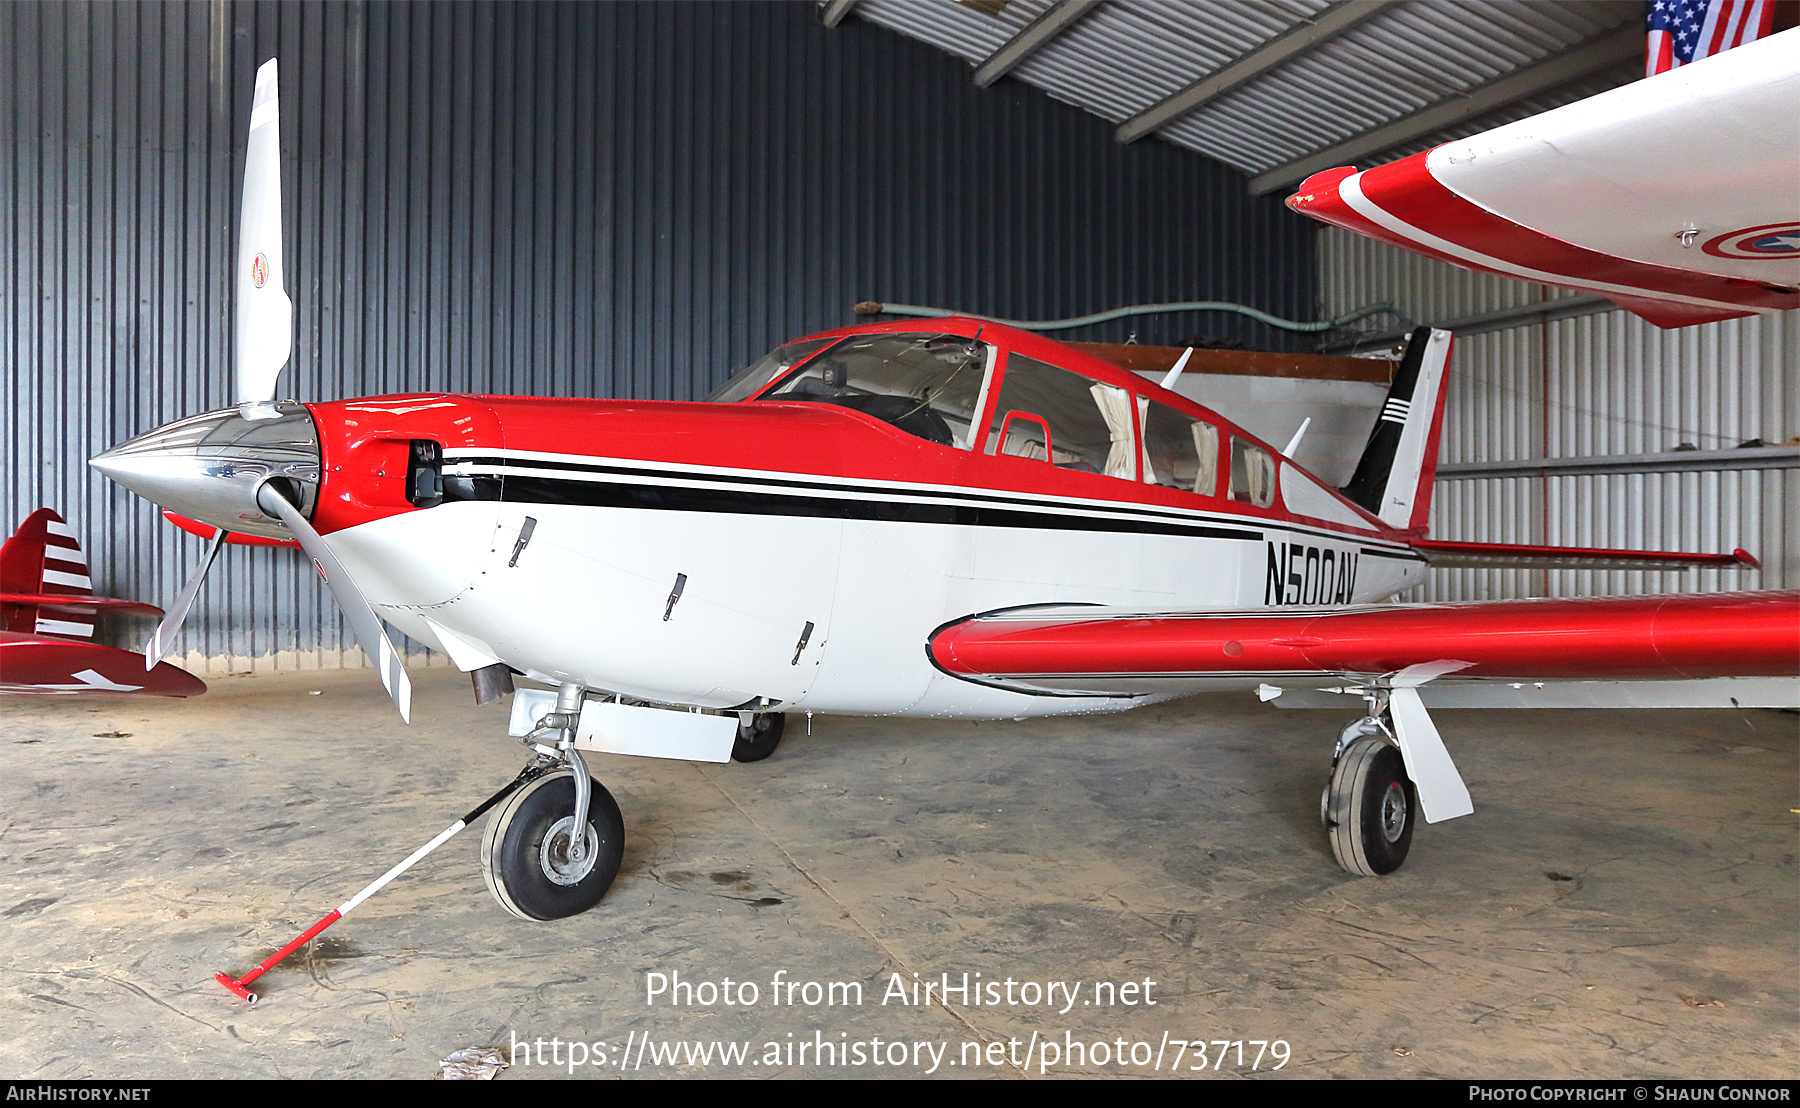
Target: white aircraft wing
{"points": [[1677, 197]]}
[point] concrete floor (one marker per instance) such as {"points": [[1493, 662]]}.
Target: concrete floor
{"points": [[1623, 903]]}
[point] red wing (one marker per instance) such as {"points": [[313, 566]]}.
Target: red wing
{"points": [[40, 664], [80, 605], [1607, 638]]}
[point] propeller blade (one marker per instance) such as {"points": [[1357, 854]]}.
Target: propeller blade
{"points": [[362, 617], [177, 614], [265, 315]]}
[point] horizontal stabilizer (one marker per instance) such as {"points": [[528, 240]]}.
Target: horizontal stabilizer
{"points": [[80, 605], [1500, 555], [48, 665]]}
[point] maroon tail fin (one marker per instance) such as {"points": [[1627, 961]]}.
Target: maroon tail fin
{"points": [[43, 556]]}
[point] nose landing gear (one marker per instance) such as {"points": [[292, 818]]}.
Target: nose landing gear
{"points": [[526, 852], [552, 850]]}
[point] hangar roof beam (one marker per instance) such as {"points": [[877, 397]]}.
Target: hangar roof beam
{"points": [[1296, 40], [834, 11], [1056, 19]]}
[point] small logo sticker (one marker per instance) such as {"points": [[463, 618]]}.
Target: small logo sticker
{"points": [[1771, 240], [259, 270]]}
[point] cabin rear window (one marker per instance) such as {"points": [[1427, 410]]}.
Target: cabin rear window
{"points": [[925, 385], [1252, 474]]}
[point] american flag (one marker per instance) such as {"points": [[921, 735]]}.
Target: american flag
{"points": [[1683, 31]]}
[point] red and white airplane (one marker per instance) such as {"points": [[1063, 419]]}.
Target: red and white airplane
{"points": [[1677, 197], [959, 520], [47, 612]]}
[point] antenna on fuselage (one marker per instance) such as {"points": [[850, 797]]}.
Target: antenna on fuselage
{"points": [[1294, 443], [1175, 374]]}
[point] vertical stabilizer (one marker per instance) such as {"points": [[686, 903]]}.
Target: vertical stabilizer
{"points": [[44, 557], [1394, 476]]}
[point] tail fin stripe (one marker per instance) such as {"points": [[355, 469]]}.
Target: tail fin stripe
{"points": [[64, 627], [58, 527], [72, 580]]}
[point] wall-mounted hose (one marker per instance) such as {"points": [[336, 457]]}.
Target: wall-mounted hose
{"points": [[872, 307]]}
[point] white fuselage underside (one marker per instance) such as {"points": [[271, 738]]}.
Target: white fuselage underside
{"points": [[587, 599]]}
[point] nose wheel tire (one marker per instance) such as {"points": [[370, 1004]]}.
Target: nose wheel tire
{"points": [[525, 855], [1369, 808], [758, 739]]}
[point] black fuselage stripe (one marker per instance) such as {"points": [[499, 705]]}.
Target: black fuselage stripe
{"points": [[985, 506], [516, 488], [791, 483]]}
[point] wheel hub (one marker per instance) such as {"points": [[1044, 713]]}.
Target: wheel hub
{"points": [[1393, 811], [553, 853]]}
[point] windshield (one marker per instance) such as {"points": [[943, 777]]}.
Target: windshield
{"points": [[745, 382], [926, 385]]}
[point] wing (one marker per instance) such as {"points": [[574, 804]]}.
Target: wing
{"points": [[1096, 651], [43, 664], [1672, 196]]}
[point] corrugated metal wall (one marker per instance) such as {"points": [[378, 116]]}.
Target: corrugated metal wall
{"points": [[575, 199], [1604, 384]]}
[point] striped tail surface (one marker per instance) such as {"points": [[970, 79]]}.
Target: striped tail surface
{"points": [[44, 557]]}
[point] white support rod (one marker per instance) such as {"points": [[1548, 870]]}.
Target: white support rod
{"points": [[374, 886]]}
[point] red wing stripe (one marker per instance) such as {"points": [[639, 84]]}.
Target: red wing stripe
{"points": [[1608, 638], [1408, 186]]}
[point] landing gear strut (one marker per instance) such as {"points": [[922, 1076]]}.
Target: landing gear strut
{"points": [[1370, 804], [553, 849], [759, 733]]}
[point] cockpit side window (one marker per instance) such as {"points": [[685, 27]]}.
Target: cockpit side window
{"points": [[926, 385], [1088, 424], [745, 382]]}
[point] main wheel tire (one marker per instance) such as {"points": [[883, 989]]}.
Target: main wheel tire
{"points": [[758, 740], [1370, 807], [524, 852]]}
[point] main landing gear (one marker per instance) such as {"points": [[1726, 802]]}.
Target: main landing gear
{"points": [[534, 861], [759, 733], [1370, 804]]}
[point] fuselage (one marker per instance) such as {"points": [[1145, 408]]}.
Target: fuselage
{"points": [[795, 554]]}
